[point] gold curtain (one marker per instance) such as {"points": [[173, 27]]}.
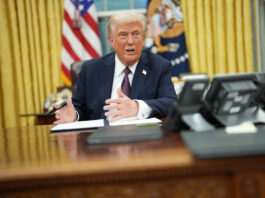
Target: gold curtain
{"points": [[218, 35], [30, 53]]}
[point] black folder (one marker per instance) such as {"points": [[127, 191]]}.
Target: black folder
{"points": [[119, 134], [219, 144]]}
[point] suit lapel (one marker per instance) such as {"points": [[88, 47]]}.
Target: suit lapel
{"points": [[140, 76], [106, 76]]}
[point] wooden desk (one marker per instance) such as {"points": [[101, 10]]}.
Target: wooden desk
{"points": [[35, 163]]}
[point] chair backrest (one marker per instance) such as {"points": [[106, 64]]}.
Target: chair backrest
{"points": [[75, 70]]}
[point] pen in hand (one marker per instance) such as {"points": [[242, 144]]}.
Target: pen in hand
{"points": [[61, 105]]}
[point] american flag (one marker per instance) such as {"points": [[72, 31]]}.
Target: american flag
{"points": [[81, 40]]}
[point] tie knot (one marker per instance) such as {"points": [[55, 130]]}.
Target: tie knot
{"points": [[127, 71]]}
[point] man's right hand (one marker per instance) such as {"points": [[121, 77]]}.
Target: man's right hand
{"points": [[65, 114]]}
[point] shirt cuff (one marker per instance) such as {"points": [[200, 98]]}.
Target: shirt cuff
{"points": [[144, 110], [77, 119]]}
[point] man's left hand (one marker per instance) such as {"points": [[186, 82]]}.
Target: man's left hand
{"points": [[121, 107]]}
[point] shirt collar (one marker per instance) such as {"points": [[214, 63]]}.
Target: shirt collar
{"points": [[119, 67]]}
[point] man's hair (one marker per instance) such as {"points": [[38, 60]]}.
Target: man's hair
{"points": [[121, 17]]}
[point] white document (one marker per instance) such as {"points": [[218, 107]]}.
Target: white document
{"points": [[100, 123], [78, 125], [135, 122]]}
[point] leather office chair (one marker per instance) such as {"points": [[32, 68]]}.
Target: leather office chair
{"points": [[74, 71]]}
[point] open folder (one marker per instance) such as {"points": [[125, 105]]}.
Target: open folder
{"points": [[80, 125], [83, 125]]}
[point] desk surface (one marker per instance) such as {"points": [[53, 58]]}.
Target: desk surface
{"points": [[34, 155]]}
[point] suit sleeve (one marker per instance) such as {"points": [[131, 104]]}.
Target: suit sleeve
{"points": [[79, 96], [166, 94]]}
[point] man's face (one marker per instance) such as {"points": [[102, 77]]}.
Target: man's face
{"points": [[128, 41]]}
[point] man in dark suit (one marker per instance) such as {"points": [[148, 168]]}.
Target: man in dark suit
{"points": [[128, 83]]}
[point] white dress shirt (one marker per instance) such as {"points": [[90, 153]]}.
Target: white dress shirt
{"points": [[144, 109]]}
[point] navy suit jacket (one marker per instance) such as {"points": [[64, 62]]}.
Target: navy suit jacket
{"points": [[153, 86]]}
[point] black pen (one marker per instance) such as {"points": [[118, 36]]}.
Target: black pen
{"points": [[61, 105]]}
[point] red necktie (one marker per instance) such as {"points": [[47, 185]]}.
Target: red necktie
{"points": [[125, 85]]}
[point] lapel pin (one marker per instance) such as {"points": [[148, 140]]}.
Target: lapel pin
{"points": [[144, 72]]}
